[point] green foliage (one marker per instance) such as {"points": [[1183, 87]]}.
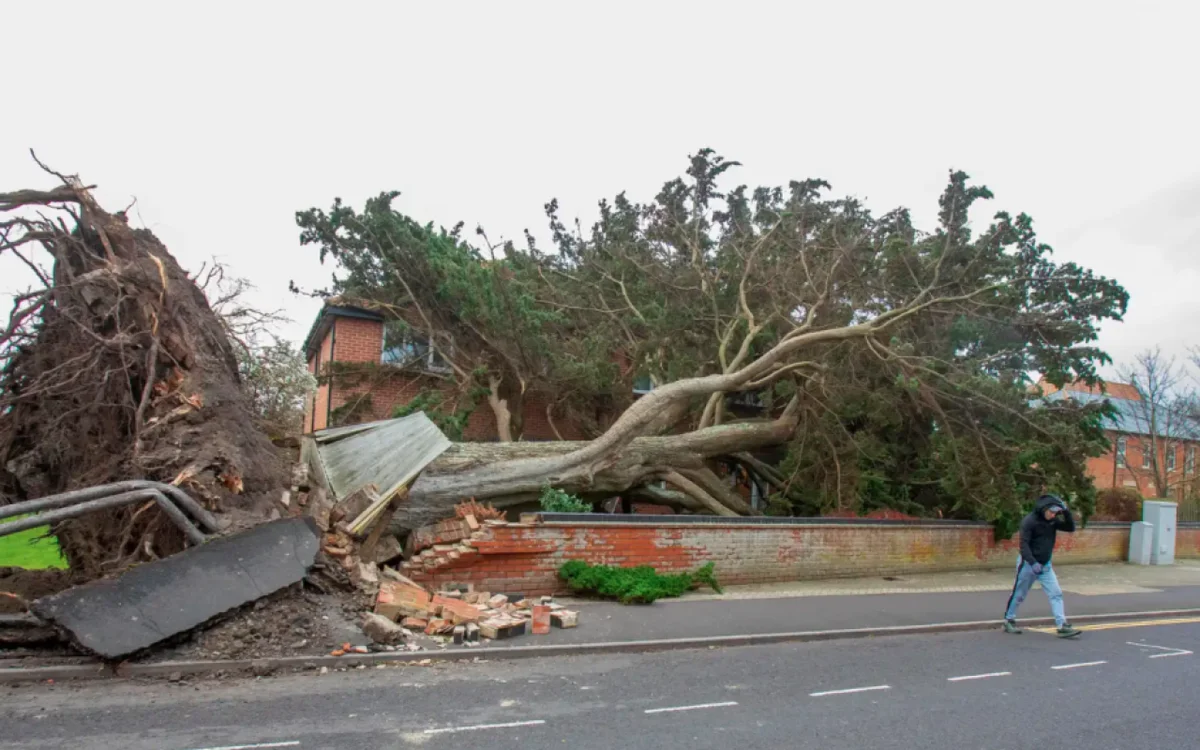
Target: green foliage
{"points": [[933, 417], [451, 418], [358, 409], [559, 501], [34, 549], [706, 575], [640, 585], [277, 379]]}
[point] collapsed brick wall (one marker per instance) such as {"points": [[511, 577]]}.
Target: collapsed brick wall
{"points": [[525, 558]]}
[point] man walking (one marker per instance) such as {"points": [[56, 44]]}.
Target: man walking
{"points": [[1039, 531]]}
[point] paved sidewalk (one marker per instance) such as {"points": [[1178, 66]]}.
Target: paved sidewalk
{"points": [[864, 603], [1084, 580]]}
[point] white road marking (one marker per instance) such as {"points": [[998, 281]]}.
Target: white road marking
{"points": [[260, 746], [1082, 664], [848, 691], [509, 725], [964, 678], [690, 708], [1171, 651]]}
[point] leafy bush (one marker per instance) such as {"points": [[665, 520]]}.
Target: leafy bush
{"points": [[1119, 504], [559, 501], [640, 585]]}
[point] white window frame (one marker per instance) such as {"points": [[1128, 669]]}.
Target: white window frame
{"points": [[430, 360], [1189, 460], [1147, 454], [1171, 458], [1122, 452]]}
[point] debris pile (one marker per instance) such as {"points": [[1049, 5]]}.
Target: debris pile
{"points": [[465, 615]]}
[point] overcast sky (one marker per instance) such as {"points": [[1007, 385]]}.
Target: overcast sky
{"points": [[226, 118]]}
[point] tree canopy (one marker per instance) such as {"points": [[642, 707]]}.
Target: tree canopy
{"points": [[898, 357]]}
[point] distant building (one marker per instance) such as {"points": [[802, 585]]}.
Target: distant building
{"points": [[1134, 437]]}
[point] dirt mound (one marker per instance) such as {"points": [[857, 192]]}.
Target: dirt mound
{"points": [[294, 622], [27, 585]]}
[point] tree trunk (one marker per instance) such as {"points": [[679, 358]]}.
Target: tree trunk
{"points": [[502, 473]]}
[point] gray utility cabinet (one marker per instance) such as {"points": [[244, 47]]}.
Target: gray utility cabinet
{"points": [[1141, 542], [1161, 515]]}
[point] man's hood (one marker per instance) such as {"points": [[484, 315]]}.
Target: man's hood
{"points": [[1047, 501]]}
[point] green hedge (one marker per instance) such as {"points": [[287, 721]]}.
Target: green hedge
{"points": [[640, 585]]}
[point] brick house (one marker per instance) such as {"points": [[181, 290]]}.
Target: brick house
{"points": [[1128, 462], [363, 377]]}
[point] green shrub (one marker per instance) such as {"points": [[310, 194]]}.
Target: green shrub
{"points": [[559, 501], [640, 585]]}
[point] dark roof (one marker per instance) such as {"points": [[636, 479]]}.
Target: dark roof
{"points": [[1129, 418], [325, 319]]}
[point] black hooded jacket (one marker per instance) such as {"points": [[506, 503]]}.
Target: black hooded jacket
{"points": [[1038, 535]]}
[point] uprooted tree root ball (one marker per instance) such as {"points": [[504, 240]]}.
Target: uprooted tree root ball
{"points": [[116, 367]]}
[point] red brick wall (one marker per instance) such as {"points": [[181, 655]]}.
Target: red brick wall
{"points": [[1187, 541], [526, 558]]}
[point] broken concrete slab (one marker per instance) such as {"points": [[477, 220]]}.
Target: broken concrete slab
{"points": [[155, 601], [382, 630], [388, 549]]}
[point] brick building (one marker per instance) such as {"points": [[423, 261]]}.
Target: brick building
{"points": [[364, 375], [1129, 462]]}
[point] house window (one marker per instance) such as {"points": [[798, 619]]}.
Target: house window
{"points": [[1189, 463], [1147, 455], [1122, 446], [1170, 457], [404, 347], [643, 384]]}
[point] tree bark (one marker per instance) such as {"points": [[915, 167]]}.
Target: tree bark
{"points": [[643, 459]]}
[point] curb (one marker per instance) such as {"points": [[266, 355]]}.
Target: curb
{"points": [[97, 670]]}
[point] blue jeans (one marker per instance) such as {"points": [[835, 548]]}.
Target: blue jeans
{"points": [[1049, 581]]}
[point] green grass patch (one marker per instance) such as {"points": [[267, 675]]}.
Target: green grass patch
{"points": [[640, 585], [34, 549]]}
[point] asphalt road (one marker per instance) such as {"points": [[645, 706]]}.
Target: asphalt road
{"points": [[1116, 688]]}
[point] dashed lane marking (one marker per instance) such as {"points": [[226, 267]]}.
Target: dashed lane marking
{"points": [[1080, 665], [849, 691], [691, 708], [965, 678], [478, 727]]}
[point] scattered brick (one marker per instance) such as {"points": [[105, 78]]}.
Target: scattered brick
{"points": [[541, 620]]}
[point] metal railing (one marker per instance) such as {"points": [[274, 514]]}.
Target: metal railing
{"points": [[174, 502]]}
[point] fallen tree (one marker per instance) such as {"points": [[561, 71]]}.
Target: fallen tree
{"points": [[115, 367], [799, 303]]}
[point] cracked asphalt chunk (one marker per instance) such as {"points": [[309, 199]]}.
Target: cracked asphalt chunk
{"points": [[158, 600]]}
